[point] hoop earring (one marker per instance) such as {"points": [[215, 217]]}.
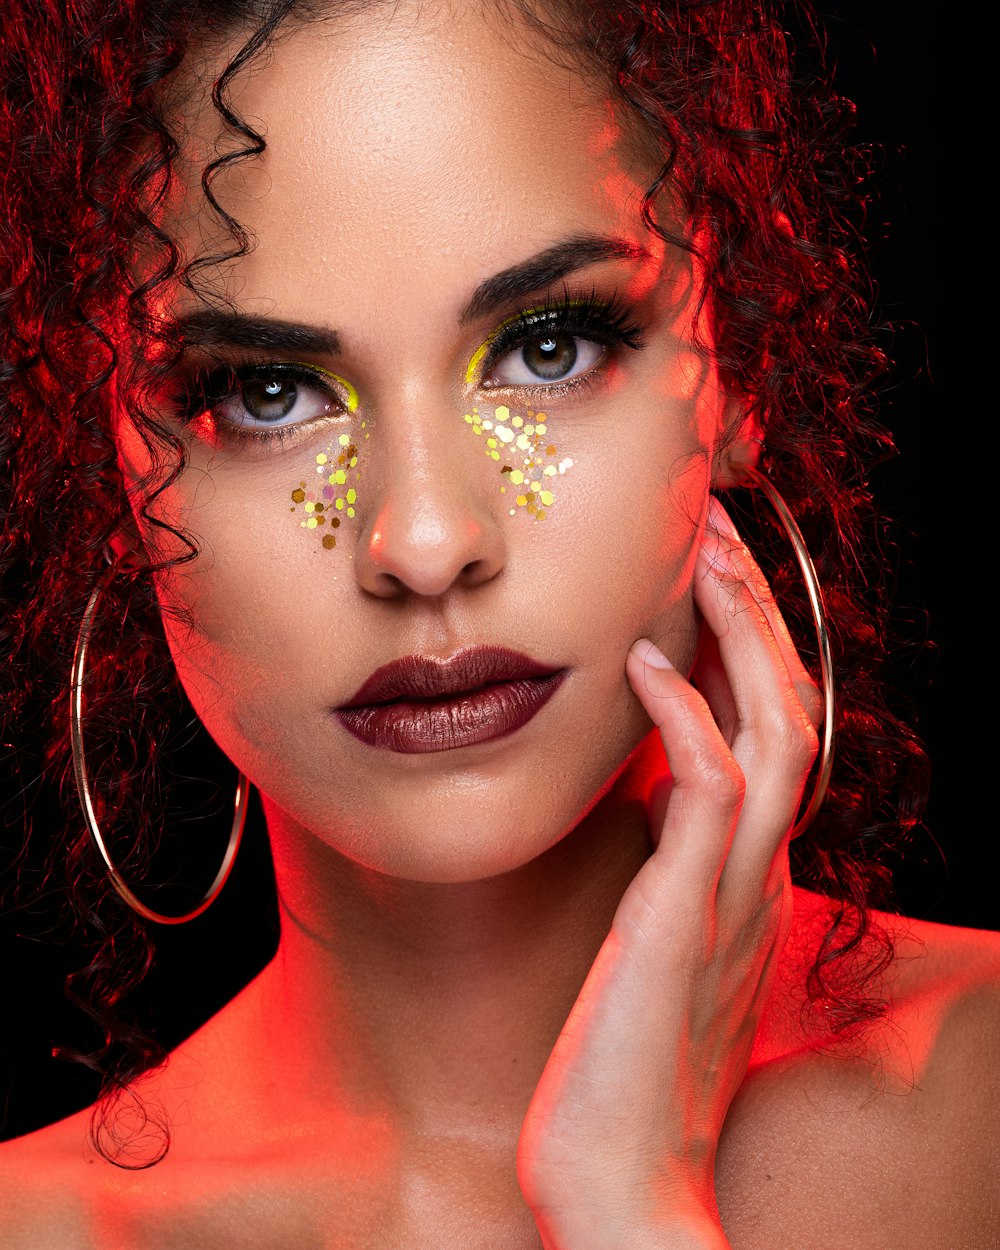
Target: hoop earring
{"points": [[83, 785], [816, 604]]}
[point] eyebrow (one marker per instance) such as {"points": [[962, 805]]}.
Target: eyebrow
{"points": [[211, 328], [544, 269]]}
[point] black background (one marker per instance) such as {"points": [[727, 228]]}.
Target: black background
{"points": [[888, 63]]}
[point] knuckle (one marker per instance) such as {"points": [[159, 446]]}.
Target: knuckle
{"points": [[729, 563], [791, 740], [813, 704], [786, 759], [739, 594], [811, 736], [801, 742], [722, 780]]}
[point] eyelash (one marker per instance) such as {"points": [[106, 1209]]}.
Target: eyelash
{"points": [[599, 319], [203, 388]]}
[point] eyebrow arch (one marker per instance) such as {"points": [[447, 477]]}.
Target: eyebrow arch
{"points": [[210, 327], [545, 268], [213, 328]]}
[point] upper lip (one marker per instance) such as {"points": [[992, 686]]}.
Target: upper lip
{"points": [[426, 677]]}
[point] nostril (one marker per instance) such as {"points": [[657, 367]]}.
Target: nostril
{"points": [[425, 545]]}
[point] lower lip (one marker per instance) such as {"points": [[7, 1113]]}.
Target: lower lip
{"points": [[414, 727]]}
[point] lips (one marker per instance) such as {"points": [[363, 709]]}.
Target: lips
{"points": [[424, 677], [421, 704]]}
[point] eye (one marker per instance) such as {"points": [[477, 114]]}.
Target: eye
{"points": [[550, 357], [277, 395], [260, 398]]}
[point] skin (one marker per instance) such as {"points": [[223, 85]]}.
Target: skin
{"points": [[535, 991]]}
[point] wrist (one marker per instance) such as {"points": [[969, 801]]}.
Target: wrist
{"points": [[700, 1234], [695, 1232]]}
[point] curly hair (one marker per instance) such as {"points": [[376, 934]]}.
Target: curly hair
{"points": [[752, 141]]}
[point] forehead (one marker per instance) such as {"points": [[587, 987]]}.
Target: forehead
{"points": [[443, 141]]}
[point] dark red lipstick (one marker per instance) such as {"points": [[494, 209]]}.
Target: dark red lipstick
{"points": [[420, 704]]}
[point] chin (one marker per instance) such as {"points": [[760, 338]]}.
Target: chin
{"points": [[450, 850], [455, 817]]}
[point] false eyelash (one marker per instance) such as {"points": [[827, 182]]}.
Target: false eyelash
{"points": [[201, 388], [602, 319]]}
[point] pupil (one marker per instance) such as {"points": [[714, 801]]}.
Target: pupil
{"points": [[550, 358], [269, 399]]}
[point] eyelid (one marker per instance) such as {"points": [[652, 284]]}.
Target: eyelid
{"points": [[352, 393], [551, 390], [199, 384], [525, 316]]}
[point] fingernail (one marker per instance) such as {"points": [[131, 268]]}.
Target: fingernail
{"points": [[719, 518], [650, 653]]}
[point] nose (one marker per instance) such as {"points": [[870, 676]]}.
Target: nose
{"points": [[430, 524]]}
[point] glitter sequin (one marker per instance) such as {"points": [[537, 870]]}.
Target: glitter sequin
{"points": [[525, 435], [336, 468]]}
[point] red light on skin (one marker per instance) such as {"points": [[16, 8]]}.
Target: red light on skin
{"points": [[207, 429]]}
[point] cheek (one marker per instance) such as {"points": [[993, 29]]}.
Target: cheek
{"points": [[625, 513], [250, 641], [638, 515], [651, 559]]}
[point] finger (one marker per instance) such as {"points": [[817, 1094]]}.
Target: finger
{"points": [[707, 786], [775, 741], [708, 676], [780, 902], [805, 687]]}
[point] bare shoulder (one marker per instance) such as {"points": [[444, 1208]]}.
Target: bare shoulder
{"points": [[941, 989], [40, 1187], [943, 1031], [893, 1139]]}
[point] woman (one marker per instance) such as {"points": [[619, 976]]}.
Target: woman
{"points": [[391, 359]]}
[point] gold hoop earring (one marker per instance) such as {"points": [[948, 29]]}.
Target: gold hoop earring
{"points": [[83, 785], [818, 608]]}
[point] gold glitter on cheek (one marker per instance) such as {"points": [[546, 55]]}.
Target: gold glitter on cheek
{"points": [[334, 492], [528, 460]]}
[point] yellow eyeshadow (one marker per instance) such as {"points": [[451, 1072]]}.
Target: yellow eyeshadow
{"points": [[477, 355], [484, 347], [352, 394]]}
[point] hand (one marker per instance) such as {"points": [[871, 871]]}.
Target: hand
{"points": [[618, 1146]]}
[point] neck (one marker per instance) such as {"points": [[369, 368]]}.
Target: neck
{"points": [[440, 1003]]}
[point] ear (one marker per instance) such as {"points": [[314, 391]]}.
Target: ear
{"points": [[126, 546], [740, 444]]}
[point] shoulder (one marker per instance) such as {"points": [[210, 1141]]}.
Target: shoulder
{"points": [[40, 1188], [891, 1139], [58, 1193], [945, 1020], [941, 987]]}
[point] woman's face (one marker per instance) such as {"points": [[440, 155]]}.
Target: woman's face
{"points": [[420, 483]]}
